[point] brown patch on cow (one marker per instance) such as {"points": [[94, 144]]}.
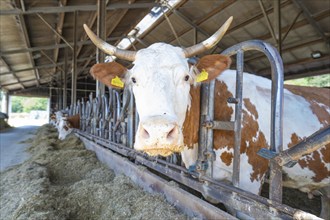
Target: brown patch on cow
{"points": [[191, 123], [326, 153], [227, 158], [214, 64], [314, 96], [250, 143], [105, 72], [65, 127], [252, 109], [313, 161], [294, 140], [74, 121], [222, 112]]}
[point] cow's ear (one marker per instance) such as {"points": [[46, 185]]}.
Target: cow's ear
{"points": [[210, 66], [111, 74]]}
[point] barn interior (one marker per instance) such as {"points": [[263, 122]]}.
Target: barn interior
{"points": [[46, 53]]}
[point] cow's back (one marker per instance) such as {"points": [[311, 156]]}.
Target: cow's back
{"points": [[301, 117]]}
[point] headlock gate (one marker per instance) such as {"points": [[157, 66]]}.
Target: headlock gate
{"points": [[111, 123]]}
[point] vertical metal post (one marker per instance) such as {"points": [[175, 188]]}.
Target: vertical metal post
{"points": [[74, 64], [277, 25], [238, 116], [60, 92], [210, 155], [130, 121], [101, 32], [65, 78], [276, 141], [50, 98], [202, 129], [5, 102]]}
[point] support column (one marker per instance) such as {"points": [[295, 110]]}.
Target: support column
{"points": [[65, 78], [74, 64], [277, 25], [5, 103], [101, 32]]}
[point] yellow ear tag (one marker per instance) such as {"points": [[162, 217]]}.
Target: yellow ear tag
{"points": [[117, 82], [202, 76]]}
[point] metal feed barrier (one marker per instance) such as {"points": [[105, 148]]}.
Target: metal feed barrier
{"points": [[108, 124]]}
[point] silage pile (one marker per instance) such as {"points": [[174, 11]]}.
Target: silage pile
{"points": [[63, 180]]}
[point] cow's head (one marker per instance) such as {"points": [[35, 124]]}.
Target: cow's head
{"points": [[64, 128], [161, 79]]}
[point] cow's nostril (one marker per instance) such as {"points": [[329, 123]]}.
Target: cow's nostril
{"points": [[172, 133], [145, 134]]}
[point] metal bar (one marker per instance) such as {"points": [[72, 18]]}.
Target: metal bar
{"points": [[293, 47], [202, 129], [310, 144], [74, 62], [291, 26], [269, 25], [101, 32], [276, 135], [220, 125], [238, 117], [254, 205], [27, 42], [130, 121], [55, 46], [55, 32], [43, 66], [277, 25], [191, 205], [210, 154], [59, 27], [14, 74], [65, 83], [72, 8], [50, 59], [310, 19]]}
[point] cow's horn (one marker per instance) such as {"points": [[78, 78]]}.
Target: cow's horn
{"points": [[108, 48], [210, 42]]}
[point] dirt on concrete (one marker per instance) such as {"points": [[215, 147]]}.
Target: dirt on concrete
{"points": [[63, 180]]}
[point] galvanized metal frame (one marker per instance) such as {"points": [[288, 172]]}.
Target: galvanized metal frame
{"points": [[100, 113], [276, 129]]}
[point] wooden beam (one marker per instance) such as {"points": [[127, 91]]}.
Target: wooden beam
{"points": [[44, 66], [72, 8], [310, 19], [51, 47], [27, 41], [13, 73]]}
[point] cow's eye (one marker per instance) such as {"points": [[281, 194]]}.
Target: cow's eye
{"points": [[133, 80], [186, 78]]}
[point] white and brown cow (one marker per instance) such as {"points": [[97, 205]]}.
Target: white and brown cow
{"points": [[66, 125], [168, 103]]}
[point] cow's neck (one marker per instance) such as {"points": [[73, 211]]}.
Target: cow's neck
{"points": [[191, 123]]}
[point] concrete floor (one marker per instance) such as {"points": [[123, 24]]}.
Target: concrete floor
{"points": [[12, 152]]}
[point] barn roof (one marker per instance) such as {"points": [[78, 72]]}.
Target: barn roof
{"points": [[37, 36]]}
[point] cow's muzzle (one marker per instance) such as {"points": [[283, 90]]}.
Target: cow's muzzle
{"points": [[159, 136]]}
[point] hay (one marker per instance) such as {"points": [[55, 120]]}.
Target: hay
{"points": [[63, 180]]}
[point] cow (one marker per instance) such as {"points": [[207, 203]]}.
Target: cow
{"points": [[167, 93], [52, 120], [66, 125]]}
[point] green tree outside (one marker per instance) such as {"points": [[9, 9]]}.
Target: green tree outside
{"points": [[24, 104], [317, 81]]}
